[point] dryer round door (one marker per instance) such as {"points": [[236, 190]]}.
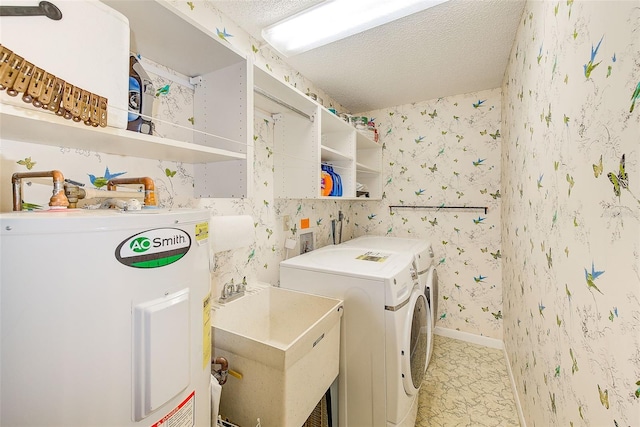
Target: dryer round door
{"points": [[414, 360]]}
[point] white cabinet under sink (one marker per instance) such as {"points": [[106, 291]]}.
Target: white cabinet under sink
{"points": [[286, 346]]}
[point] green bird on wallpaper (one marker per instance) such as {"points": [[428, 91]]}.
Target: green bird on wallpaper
{"points": [[634, 97], [164, 90], [420, 192], [590, 66], [591, 277]]}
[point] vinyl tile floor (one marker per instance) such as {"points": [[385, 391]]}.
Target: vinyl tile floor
{"points": [[466, 385]]}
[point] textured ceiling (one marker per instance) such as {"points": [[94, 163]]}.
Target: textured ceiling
{"points": [[456, 47]]}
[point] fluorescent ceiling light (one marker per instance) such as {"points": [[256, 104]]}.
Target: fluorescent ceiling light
{"points": [[336, 19]]}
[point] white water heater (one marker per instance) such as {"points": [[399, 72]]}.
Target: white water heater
{"points": [[104, 318]]}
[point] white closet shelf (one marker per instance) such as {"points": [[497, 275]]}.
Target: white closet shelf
{"points": [[47, 129], [363, 141], [366, 169], [329, 154], [168, 36]]}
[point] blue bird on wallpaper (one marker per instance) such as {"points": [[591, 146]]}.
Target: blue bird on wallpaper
{"points": [[419, 139], [479, 220], [478, 162], [590, 66], [371, 216], [223, 34], [540, 180], [591, 277], [479, 103], [479, 279], [635, 96], [541, 308], [420, 192], [101, 181]]}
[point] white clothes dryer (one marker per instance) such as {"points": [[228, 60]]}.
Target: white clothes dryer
{"points": [[383, 329], [424, 266]]}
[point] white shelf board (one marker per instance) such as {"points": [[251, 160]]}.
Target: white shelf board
{"points": [[329, 154], [363, 141], [48, 129], [365, 169], [165, 35], [333, 123], [282, 91]]}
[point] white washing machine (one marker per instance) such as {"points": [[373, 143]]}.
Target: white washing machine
{"points": [[426, 270], [383, 329]]}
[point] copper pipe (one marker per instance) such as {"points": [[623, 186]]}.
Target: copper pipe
{"points": [[58, 198], [223, 371], [149, 187]]}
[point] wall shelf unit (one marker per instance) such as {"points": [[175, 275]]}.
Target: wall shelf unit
{"points": [[307, 135], [167, 35], [48, 129], [221, 144]]}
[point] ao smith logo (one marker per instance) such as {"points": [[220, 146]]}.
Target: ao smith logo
{"points": [[154, 248]]}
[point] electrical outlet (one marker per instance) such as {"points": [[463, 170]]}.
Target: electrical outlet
{"points": [[286, 223]]}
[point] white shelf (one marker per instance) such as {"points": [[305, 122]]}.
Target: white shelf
{"points": [[360, 168], [166, 35], [329, 154], [318, 136], [363, 141], [48, 129]]}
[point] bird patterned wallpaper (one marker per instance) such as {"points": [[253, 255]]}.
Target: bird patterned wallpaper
{"points": [[445, 153], [571, 214], [551, 268]]}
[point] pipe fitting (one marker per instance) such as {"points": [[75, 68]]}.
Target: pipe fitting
{"points": [[149, 187], [222, 373], [58, 198]]}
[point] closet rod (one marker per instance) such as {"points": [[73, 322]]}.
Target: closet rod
{"points": [[483, 208], [281, 103]]}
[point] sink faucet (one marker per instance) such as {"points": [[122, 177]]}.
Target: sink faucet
{"points": [[231, 291]]}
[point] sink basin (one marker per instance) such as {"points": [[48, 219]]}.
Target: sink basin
{"points": [[286, 345]]}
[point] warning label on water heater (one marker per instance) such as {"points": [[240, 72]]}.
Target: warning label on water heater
{"points": [[154, 248], [182, 416]]}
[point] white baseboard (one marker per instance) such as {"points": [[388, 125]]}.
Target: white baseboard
{"points": [[523, 423], [466, 336]]}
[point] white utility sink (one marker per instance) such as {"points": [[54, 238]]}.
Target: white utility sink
{"points": [[286, 345]]}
